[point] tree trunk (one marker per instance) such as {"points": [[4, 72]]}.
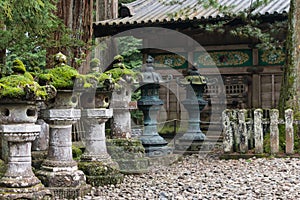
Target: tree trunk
{"points": [[87, 28], [78, 17], [105, 9], [290, 91], [63, 12]]}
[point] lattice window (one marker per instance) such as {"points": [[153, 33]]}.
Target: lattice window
{"points": [[235, 89], [212, 89]]}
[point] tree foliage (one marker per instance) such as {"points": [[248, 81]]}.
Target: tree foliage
{"points": [[24, 29], [33, 30], [129, 47]]}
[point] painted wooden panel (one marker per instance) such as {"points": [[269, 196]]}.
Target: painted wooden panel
{"points": [[176, 61], [274, 57], [229, 58]]}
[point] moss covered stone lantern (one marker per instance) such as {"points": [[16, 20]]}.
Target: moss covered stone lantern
{"points": [[19, 95], [194, 103], [150, 104], [59, 171]]}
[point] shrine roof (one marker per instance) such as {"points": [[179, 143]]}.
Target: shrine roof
{"points": [[155, 13]]}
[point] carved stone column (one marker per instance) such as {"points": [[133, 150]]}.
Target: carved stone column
{"points": [[94, 124], [95, 162], [121, 103], [59, 171], [19, 131]]}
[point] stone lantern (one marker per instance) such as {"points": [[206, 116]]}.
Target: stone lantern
{"points": [[95, 162], [59, 171], [150, 104], [18, 129], [194, 103], [128, 152], [19, 96]]}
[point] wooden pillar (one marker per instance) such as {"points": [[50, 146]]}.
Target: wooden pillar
{"points": [[274, 131], [255, 82], [256, 102]]}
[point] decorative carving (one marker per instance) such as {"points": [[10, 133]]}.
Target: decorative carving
{"points": [[223, 58], [170, 60], [272, 57]]}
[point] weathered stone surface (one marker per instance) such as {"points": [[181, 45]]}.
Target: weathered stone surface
{"points": [[94, 124], [64, 178], [19, 180], [227, 130], [289, 131], [95, 162], [64, 99], [258, 131], [242, 131], [70, 192], [19, 129], [97, 113], [234, 124], [59, 171], [121, 121], [129, 154], [274, 131], [37, 192], [41, 143], [18, 113], [101, 173], [57, 116]]}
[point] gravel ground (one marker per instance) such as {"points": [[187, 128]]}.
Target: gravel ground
{"points": [[196, 177]]}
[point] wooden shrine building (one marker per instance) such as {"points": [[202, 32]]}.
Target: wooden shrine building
{"points": [[251, 77]]}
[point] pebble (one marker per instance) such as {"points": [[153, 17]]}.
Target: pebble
{"points": [[210, 178]]}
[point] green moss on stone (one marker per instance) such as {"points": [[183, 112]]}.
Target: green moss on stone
{"points": [[119, 58], [87, 81], [62, 76], [95, 62], [129, 154], [45, 77], [118, 73], [20, 86], [97, 168], [3, 168], [76, 152], [124, 142], [18, 67], [99, 173]]}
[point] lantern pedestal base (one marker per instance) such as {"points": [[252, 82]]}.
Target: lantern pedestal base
{"points": [[96, 163], [101, 173], [164, 160], [187, 147], [64, 184], [36, 192], [157, 151], [129, 154]]}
